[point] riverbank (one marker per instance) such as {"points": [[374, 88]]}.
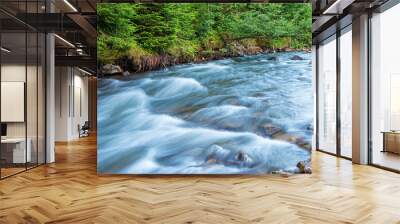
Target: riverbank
{"points": [[128, 66]]}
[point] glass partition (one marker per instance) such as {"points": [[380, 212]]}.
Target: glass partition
{"points": [[327, 95], [346, 92], [14, 153], [22, 78], [385, 89]]}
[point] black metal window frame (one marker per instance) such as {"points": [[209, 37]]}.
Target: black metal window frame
{"points": [[339, 32], [387, 5]]}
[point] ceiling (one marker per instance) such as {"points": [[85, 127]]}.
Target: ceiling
{"points": [[332, 15], [74, 22]]}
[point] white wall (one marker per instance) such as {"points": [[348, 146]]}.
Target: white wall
{"points": [[9, 73], [17, 73], [80, 110], [71, 102], [33, 127], [14, 73], [62, 82]]}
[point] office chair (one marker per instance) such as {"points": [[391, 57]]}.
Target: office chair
{"points": [[84, 130]]}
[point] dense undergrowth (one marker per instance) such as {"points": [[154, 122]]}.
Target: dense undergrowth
{"points": [[142, 37]]}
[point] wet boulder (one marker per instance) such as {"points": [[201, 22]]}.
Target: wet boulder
{"points": [[299, 141], [309, 127], [282, 173], [304, 166], [126, 73], [110, 69], [258, 94], [296, 58], [242, 157], [216, 154], [211, 160], [272, 58], [253, 50], [230, 126], [270, 130], [219, 155]]}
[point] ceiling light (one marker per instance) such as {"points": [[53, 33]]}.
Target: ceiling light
{"points": [[5, 50], [65, 41], [84, 71], [79, 51], [70, 5], [331, 8], [337, 7]]}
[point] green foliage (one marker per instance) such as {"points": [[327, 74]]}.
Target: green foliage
{"points": [[116, 31], [183, 49], [191, 30]]}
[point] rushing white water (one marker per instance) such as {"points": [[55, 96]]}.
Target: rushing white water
{"points": [[206, 118]]}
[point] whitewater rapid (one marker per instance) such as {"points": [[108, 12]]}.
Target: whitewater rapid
{"points": [[206, 118]]}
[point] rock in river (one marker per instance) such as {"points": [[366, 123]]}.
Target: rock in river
{"points": [[296, 58], [126, 73], [270, 130], [282, 173], [242, 157], [304, 167], [110, 69]]}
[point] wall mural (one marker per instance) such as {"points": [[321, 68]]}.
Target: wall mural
{"points": [[204, 88]]}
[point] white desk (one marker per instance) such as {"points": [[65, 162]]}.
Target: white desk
{"points": [[19, 153]]}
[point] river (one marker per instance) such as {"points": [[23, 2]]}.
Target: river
{"points": [[207, 118]]}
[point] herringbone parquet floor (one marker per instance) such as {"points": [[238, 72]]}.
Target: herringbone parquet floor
{"points": [[70, 191]]}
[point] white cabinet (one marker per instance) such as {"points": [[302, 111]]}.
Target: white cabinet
{"points": [[19, 154]]}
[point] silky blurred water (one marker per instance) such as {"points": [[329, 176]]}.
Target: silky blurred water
{"points": [[207, 118]]}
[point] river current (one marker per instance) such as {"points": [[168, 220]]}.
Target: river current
{"points": [[207, 118]]}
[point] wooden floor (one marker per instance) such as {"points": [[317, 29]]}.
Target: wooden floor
{"points": [[70, 191], [5, 172]]}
